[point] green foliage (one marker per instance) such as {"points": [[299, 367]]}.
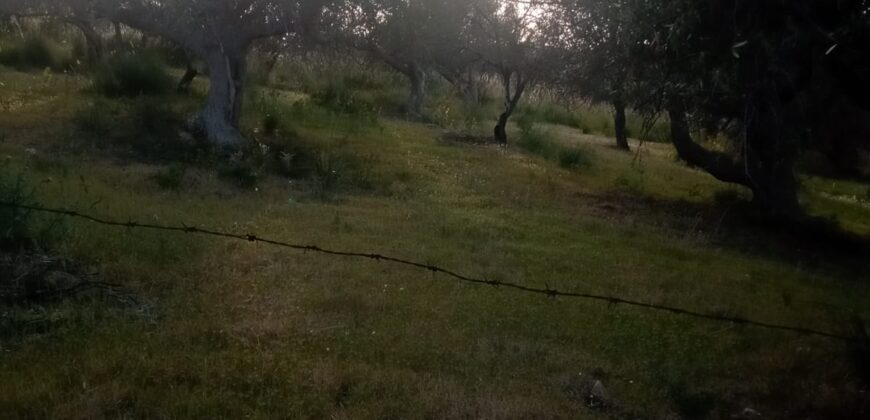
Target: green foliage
{"points": [[364, 81], [132, 75], [146, 127], [575, 158], [328, 168], [552, 113], [97, 119], [340, 98], [240, 172], [154, 116], [34, 53], [541, 143], [15, 223], [532, 139], [271, 123]]}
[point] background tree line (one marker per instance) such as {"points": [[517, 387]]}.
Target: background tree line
{"points": [[769, 80]]}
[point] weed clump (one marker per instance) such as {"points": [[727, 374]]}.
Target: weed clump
{"points": [[98, 118], [20, 227], [241, 173], [631, 181], [532, 139], [553, 114], [155, 116], [574, 158], [340, 98], [132, 75], [171, 178], [34, 53]]}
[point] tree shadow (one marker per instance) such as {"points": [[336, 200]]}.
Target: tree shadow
{"points": [[731, 222]]}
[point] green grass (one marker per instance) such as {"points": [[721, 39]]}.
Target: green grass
{"points": [[34, 53], [247, 330], [593, 119]]}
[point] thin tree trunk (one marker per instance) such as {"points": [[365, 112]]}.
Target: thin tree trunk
{"points": [[512, 99], [619, 124], [417, 95], [220, 117], [94, 41], [189, 76], [17, 24]]}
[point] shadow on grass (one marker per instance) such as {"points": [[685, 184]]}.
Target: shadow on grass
{"points": [[732, 222]]}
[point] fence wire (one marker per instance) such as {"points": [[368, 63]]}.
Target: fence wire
{"points": [[859, 337]]}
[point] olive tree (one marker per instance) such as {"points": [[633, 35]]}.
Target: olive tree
{"points": [[220, 32], [599, 40], [519, 45], [762, 78], [407, 35], [77, 13]]}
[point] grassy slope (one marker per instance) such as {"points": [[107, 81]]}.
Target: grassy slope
{"points": [[249, 330]]}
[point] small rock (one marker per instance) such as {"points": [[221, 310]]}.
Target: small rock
{"points": [[747, 414], [598, 396]]}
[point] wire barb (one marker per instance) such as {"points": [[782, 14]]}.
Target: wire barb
{"points": [[546, 291]]}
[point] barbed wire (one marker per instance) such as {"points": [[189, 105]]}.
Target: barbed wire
{"points": [[547, 291]]}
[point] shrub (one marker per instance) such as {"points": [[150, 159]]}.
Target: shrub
{"points": [[171, 178], [574, 158], [96, 119], [241, 173], [364, 81], [631, 181], [339, 98], [270, 123], [154, 116], [32, 53], [327, 170], [532, 139], [15, 223], [132, 75], [21, 227], [553, 114]]}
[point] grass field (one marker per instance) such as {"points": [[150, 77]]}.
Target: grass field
{"points": [[236, 330]]}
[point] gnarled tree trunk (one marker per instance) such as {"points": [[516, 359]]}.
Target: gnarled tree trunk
{"points": [[770, 165], [220, 117], [96, 48], [765, 169], [512, 99]]}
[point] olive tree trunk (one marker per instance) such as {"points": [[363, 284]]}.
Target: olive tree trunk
{"points": [[513, 94], [220, 117], [619, 124], [93, 40], [766, 167], [417, 95]]}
